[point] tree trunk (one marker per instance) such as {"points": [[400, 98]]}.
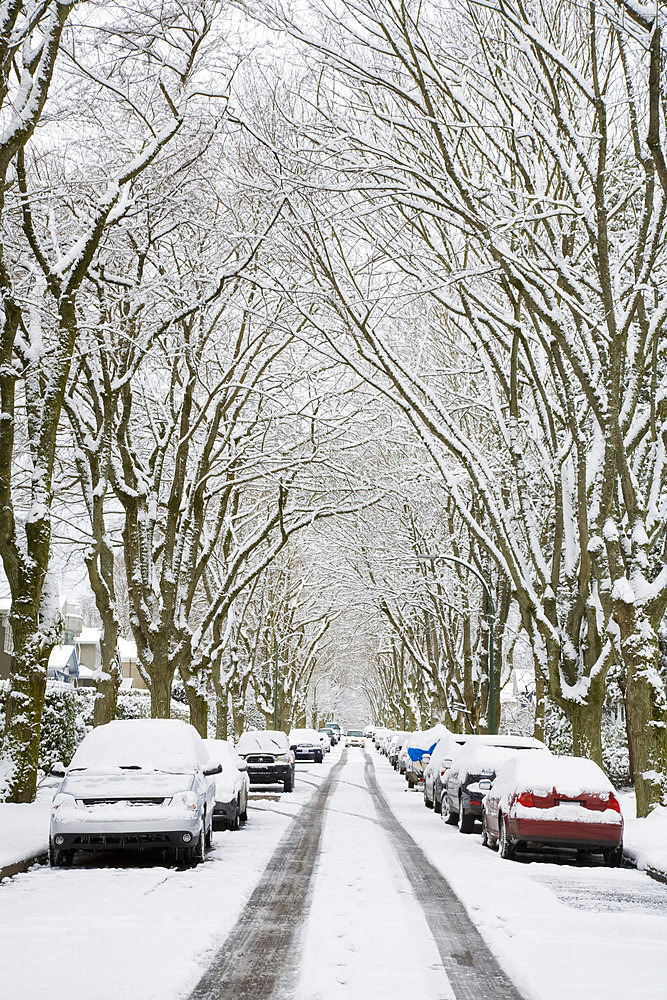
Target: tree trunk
{"points": [[23, 710], [646, 717], [586, 720], [104, 709], [540, 704], [161, 681], [198, 704], [221, 714]]}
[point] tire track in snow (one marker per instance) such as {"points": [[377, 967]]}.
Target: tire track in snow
{"points": [[258, 955], [472, 969]]}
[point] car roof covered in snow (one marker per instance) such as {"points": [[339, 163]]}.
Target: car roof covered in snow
{"points": [[478, 757], [541, 773], [141, 744]]}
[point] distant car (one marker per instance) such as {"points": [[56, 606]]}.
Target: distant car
{"points": [[333, 725], [479, 758], [436, 768], [368, 732], [138, 784], [354, 738], [540, 800], [305, 745], [231, 785], [268, 756], [333, 734], [419, 745], [324, 740], [379, 735]]}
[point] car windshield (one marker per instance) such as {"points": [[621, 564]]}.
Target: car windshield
{"points": [[272, 741], [354, 732]]}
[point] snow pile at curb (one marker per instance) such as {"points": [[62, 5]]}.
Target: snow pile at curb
{"points": [[645, 840]]}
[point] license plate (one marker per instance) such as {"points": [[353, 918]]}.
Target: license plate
{"points": [[569, 802]]}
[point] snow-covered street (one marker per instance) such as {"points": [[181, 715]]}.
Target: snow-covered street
{"points": [[368, 927]]}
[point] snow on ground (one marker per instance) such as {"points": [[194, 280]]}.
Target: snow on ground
{"points": [[141, 931], [24, 829], [366, 935], [645, 840], [559, 930]]}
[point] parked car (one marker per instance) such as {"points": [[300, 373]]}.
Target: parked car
{"points": [[333, 734], [140, 784], [479, 758], [421, 743], [333, 725], [354, 738], [268, 756], [324, 740], [231, 785], [305, 744], [395, 746], [540, 800], [436, 767], [379, 735]]}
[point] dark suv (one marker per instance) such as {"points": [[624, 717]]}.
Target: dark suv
{"points": [[269, 758]]}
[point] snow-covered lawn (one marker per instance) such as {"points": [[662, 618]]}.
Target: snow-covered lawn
{"points": [[586, 933], [24, 829], [140, 933]]}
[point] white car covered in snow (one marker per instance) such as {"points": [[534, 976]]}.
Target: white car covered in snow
{"points": [[231, 785], [142, 784]]}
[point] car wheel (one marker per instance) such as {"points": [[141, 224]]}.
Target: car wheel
{"points": [[60, 859], [288, 783], [448, 816], [437, 804], [427, 802], [486, 840], [613, 856], [243, 816], [466, 822], [208, 839], [505, 845], [234, 822], [411, 783]]}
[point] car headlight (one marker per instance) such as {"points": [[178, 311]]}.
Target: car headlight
{"points": [[63, 799], [186, 799], [283, 756]]}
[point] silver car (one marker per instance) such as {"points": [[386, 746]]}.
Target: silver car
{"points": [[140, 784], [231, 785]]}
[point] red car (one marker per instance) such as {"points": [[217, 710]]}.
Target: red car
{"points": [[539, 799]]}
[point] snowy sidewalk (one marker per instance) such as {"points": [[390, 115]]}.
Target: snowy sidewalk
{"points": [[24, 832]]}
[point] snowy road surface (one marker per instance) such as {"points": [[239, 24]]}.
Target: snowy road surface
{"points": [[374, 921]]}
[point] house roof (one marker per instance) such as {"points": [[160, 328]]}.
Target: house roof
{"points": [[87, 634], [63, 656], [127, 649]]}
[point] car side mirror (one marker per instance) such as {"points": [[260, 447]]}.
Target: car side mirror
{"points": [[57, 769], [293, 747], [215, 769], [426, 758], [447, 763], [242, 766]]}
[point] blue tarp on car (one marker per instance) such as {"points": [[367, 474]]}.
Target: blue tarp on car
{"points": [[416, 753]]}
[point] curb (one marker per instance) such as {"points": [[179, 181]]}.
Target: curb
{"points": [[657, 874], [19, 867]]}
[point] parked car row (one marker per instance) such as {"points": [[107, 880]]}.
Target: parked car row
{"points": [[156, 785], [521, 796]]}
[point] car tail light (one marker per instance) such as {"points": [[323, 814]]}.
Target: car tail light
{"points": [[614, 804], [526, 799]]}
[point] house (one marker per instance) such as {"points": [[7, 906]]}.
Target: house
{"points": [[127, 649], [64, 664]]}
